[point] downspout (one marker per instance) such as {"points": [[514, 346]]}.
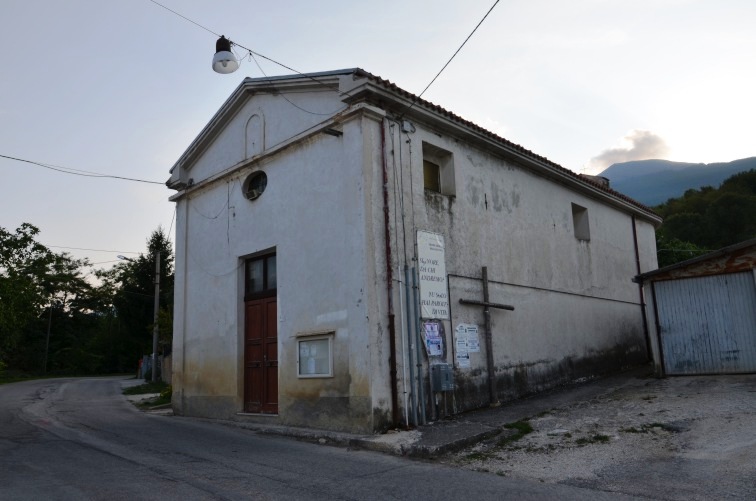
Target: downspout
{"points": [[419, 341], [389, 283], [640, 292], [410, 341], [405, 354]]}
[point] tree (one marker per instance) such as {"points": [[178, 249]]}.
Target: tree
{"points": [[708, 218], [95, 325], [133, 282], [37, 286], [23, 265]]}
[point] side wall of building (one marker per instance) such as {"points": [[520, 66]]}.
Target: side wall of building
{"points": [[577, 312]]}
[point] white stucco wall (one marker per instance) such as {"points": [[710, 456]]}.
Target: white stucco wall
{"points": [[577, 312], [313, 214]]}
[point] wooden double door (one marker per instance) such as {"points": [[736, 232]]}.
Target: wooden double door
{"points": [[261, 356]]}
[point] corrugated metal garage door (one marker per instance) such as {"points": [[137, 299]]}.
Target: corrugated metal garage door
{"points": [[707, 325]]}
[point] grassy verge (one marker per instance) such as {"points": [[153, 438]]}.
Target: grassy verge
{"points": [[165, 393], [521, 429], [156, 387]]}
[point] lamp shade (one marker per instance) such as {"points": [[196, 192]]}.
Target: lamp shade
{"points": [[224, 61]]}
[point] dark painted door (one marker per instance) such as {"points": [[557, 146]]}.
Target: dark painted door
{"points": [[261, 356]]}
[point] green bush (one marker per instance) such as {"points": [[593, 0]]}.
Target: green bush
{"points": [[167, 393]]}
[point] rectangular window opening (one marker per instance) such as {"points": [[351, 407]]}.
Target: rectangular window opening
{"points": [[438, 170], [580, 222], [260, 277], [431, 176], [315, 356]]}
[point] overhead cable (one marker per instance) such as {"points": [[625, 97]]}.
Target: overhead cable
{"points": [[253, 53], [78, 172], [450, 59], [94, 250]]}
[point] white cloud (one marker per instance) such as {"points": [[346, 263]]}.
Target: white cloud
{"points": [[637, 145]]}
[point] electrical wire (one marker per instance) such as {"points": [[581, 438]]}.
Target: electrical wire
{"points": [[78, 172], [172, 220], [101, 262], [252, 56], [450, 59], [94, 250], [225, 205], [186, 18], [253, 53], [224, 172]]}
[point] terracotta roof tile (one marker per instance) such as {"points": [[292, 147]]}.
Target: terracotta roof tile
{"points": [[456, 118]]}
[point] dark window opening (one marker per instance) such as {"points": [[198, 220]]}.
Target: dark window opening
{"points": [[580, 223], [260, 277], [438, 170], [431, 176], [255, 185]]}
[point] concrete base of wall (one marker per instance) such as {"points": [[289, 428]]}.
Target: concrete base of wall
{"points": [[519, 380]]}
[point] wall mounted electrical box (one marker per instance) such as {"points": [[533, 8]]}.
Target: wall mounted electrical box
{"points": [[443, 377]]}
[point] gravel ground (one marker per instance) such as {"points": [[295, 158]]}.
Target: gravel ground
{"points": [[677, 438]]}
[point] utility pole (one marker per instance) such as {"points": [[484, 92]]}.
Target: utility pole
{"points": [[155, 328], [47, 340]]}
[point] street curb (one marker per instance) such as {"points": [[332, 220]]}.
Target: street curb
{"points": [[430, 451]]}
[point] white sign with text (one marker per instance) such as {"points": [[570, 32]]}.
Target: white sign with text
{"points": [[434, 295]]}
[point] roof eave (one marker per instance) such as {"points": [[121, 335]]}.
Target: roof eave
{"points": [[699, 259], [239, 96], [401, 105]]}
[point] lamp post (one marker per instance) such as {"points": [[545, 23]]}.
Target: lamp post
{"points": [[155, 314]]}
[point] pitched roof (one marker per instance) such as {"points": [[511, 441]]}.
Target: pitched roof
{"points": [[387, 84], [417, 103]]}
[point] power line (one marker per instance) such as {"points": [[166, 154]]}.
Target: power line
{"points": [[186, 18], [450, 59], [253, 53], [78, 172], [94, 250]]}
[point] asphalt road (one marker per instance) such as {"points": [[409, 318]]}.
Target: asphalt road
{"points": [[80, 439]]}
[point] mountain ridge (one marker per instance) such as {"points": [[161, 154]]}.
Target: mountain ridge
{"points": [[653, 182]]}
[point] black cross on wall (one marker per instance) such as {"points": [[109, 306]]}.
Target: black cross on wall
{"points": [[487, 305]]}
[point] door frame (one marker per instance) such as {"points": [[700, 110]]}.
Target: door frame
{"points": [[263, 293]]}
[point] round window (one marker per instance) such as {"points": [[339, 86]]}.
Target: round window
{"points": [[255, 184]]}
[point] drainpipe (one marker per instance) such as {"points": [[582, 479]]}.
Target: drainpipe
{"points": [[410, 358], [389, 282], [403, 336], [640, 292], [419, 358]]}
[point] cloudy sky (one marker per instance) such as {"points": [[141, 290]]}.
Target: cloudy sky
{"points": [[122, 87]]}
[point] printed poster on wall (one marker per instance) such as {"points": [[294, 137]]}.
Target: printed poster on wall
{"points": [[460, 347], [467, 338], [473, 341], [463, 360], [433, 341], [434, 296]]}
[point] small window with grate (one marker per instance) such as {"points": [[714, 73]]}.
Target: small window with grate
{"points": [[255, 185]]}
